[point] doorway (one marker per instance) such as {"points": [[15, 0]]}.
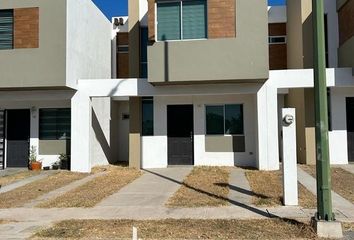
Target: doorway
{"points": [[17, 136], [180, 134], [350, 128]]}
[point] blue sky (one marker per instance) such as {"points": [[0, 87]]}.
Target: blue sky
{"points": [[120, 7]]}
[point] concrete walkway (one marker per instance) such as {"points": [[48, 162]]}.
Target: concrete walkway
{"points": [[240, 190], [11, 171], [340, 204], [62, 190], [347, 167], [153, 188], [25, 181]]}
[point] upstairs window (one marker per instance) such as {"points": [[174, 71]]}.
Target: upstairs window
{"points": [[277, 40], [143, 52], [179, 20], [6, 29]]}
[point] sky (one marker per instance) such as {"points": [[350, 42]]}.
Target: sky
{"points": [[112, 8]]}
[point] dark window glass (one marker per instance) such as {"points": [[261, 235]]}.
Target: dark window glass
{"points": [[214, 119], [194, 19], [181, 20], [169, 21], [143, 52], [55, 124], [233, 119], [148, 116], [6, 29]]}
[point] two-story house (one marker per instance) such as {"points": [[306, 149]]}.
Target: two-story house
{"points": [[187, 90], [45, 47]]}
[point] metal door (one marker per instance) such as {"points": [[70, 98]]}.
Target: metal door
{"points": [[350, 128], [17, 136], [180, 134]]}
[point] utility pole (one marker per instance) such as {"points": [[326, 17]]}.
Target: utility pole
{"points": [[324, 199]]}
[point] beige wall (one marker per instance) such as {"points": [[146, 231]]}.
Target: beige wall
{"points": [[299, 33], [134, 38], [135, 132], [43, 66], [243, 58], [53, 147], [346, 53]]}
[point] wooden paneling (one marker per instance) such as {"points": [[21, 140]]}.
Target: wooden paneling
{"points": [[26, 28], [277, 56], [277, 29], [151, 19], [346, 21]]}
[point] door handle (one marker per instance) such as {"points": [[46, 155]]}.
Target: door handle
{"points": [[191, 134]]}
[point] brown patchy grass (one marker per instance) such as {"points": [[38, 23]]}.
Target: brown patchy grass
{"points": [[6, 180], [268, 190], [178, 229], [94, 191], [19, 196], [342, 181], [204, 186], [348, 226]]}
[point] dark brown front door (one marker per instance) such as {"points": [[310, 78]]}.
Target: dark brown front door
{"points": [[180, 134], [17, 135], [350, 128]]}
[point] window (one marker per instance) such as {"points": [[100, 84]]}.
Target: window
{"points": [[224, 119], [147, 116], [54, 123], [143, 52], [181, 20], [6, 29], [277, 39], [123, 49]]}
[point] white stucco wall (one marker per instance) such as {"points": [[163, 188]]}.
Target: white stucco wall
{"points": [[338, 136], [154, 148], [88, 50]]}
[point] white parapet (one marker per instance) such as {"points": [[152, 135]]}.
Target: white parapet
{"points": [[290, 189]]}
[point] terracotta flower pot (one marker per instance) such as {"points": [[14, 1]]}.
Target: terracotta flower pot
{"points": [[36, 166]]}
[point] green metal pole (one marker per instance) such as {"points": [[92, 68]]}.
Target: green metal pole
{"points": [[324, 199]]}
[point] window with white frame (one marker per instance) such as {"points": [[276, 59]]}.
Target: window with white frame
{"points": [[277, 39], [224, 119], [178, 20]]}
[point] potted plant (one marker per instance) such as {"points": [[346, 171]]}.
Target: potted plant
{"points": [[64, 160], [56, 165], [34, 163]]}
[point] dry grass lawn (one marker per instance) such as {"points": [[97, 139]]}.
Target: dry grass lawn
{"points": [[94, 191], [268, 190], [178, 229], [19, 196], [6, 180], [342, 181], [204, 186]]}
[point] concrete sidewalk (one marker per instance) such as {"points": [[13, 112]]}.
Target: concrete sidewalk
{"points": [[340, 204], [153, 188], [239, 188], [347, 167]]}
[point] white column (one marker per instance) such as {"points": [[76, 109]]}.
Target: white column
{"points": [[290, 188], [34, 128], [80, 132], [267, 128]]}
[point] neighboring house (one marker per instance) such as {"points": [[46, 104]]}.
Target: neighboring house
{"points": [[46, 46], [203, 82]]}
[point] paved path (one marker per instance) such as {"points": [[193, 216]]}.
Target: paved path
{"points": [[11, 171], [240, 190], [340, 204], [26, 181], [347, 167], [62, 190], [153, 188]]}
